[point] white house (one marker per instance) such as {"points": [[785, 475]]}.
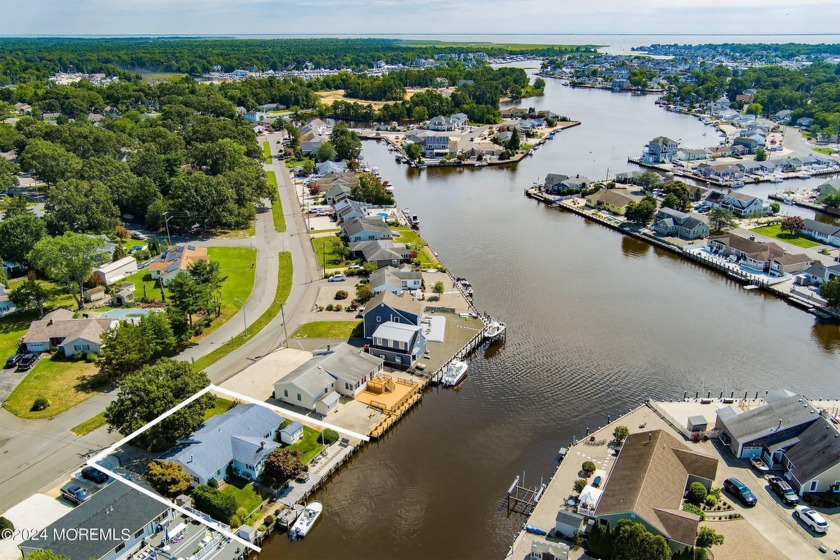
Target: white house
{"points": [[822, 232], [58, 329], [6, 305], [113, 272], [395, 280]]}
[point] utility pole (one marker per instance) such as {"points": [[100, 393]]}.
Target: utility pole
{"points": [[285, 332]]}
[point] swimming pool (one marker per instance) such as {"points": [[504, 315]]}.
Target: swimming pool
{"points": [[127, 313]]}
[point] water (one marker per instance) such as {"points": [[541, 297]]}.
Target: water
{"points": [[597, 323]]}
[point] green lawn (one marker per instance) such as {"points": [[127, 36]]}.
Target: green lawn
{"points": [[308, 445], [267, 152], [775, 230], [64, 382], [324, 251], [221, 406], [90, 425], [329, 329], [12, 328], [277, 205], [408, 236], [244, 493], [292, 163], [427, 258], [284, 287], [824, 150]]}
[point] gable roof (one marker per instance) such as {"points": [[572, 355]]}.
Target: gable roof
{"points": [[612, 198], [179, 257], [779, 415], [817, 451], [251, 450], [400, 332], [60, 324], [759, 251], [829, 230], [553, 178], [116, 265], [291, 428], [343, 362], [649, 478], [400, 303], [373, 224]]}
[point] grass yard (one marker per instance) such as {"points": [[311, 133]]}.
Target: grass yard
{"points": [[277, 205], [329, 329], [427, 258], [12, 328], [284, 287], [221, 406], [324, 252], [308, 445], [239, 265], [409, 237], [775, 230], [824, 150], [244, 493], [152, 77], [64, 382], [90, 425], [292, 163], [267, 153]]}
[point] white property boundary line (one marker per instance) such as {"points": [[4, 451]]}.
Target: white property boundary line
{"points": [[93, 461]]}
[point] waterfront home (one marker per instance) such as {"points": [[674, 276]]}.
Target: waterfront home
{"points": [[400, 345], [751, 143], [668, 221], [576, 183], [719, 151], [548, 550], [366, 229], [660, 150], [310, 142], [531, 125], [513, 112], [6, 305], [347, 209], [647, 483], [120, 517], [387, 307], [761, 257], [337, 193], [176, 260], [442, 123], [724, 171], [383, 253], [113, 272], [237, 441], [742, 205], [486, 148], [822, 232], [612, 200], [832, 186], [628, 177], [331, 179], [434, 145], [691, 154], [58, 329], [326, 167], [395, 280], [553, 179]]}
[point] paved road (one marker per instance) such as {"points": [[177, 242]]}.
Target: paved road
{"points": [[37, 455]]}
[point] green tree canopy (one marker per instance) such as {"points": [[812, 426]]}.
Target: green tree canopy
{"points": [[325, 152], [168, 477], [68, 259], [130, 346], [81, 206], [721, 220], [19, 234], [346, 143], [49, 162]]}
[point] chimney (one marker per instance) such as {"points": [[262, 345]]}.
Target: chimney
{"points": [[262, 445], [49, 323], [650, 437]]}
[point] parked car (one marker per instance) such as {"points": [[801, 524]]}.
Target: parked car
{"points": [[94, 475], [27, 361], [740, 491], [140, 236], [783, 490], [811, 519], [12, 361], [75, 493], [337, 278], [355, 267]]}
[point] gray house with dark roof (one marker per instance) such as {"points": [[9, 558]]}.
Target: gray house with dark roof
{"points": [[119, 516], [822, 232], [400, 345], [813, 464], [366, 229], [668, 221]]}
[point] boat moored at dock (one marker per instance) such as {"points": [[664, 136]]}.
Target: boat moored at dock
{"points": [[455, 373], [494, 330], [306, 520]]}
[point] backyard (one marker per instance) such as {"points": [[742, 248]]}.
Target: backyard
{"points": [[220, 407], [244, 493], [329, 329], [775, 231], [325, 251], [308, 445]]}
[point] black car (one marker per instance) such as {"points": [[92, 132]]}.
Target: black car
{"points": [[13, 361], [94, 475], [740, 491], [27, 361], [783, 490]]}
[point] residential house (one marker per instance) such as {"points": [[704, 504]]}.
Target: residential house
{"points": [[531, 125], [660, 150], [744, 205], [442, 123], [822, 232], [782, 116], [382, 252], [58, 329], [761, 257], [326, 167], [6, 305], [719, 151], [804, 122], [576, 183], [513, 112], [109, 516], [254, 116], [612, 200], [176, 260], [395, 280], [647, 483], [751, 143], [311, 141], [366, 229], [331, 179], [23, 108], [668, 221], [813, 463], [347, 209], [548, 550], [723, 171], [113, 272], [831, 186], [239, 439], [485, 147], [400, 345], [434, 145], [337, 193], [691, 154], [553, 179], [387, 307]]}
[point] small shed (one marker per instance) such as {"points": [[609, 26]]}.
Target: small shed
{"points": [[697, 424], [246, 532], [567, 523], [95, 294], [291, 433]]}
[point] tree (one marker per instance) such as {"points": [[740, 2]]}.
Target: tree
{"points": [[634, 542], [168, 477], [49, 162], [214, 503], [292, 132], [539, 84], [721, 220], [671, 201], [831, 200], [413, 151], [19, 234], [754, 109], [588, 468], [45, 555], [601, 540], [364, 293], [186, 295], [346, 143], [708, 537], [153, 390], [81, 206], [831, 291], [325, 152], [696, 493], [15, 206], [438, 288], [648, 180], [68, 259], [119, 253], [641, 212], [761, 154], [514, 142], [793, 224], [30, 295], [328, 436], [283, 464], [620, 433], [419, 114], [128, 347], [208, 277]]}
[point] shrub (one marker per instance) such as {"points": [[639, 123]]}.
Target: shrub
{"points": [[235, 521], [329, 436], [41, 403], [213, 483], [620, 433], [241, 513], [168, 477], [6, 526], [691, 508], [580, 484], [696, 493], [341, 294], [261, 528], [90, 357], [711, 500], [338, 307], [329, 307], [214, 503], [269, 520], [588, 467]]}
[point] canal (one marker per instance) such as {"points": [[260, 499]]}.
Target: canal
{"points": [[597, 323]]}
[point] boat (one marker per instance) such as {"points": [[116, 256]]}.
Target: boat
{"points": [[737, 184], [495, 329], [759, 465], [805, 176], [414, 221], [776, 179], [306, 520], [455, 373], [481, 164]]}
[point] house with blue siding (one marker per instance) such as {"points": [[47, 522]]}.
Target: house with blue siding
{"points": [[400, 345], [241, 438], [388, 306], [366, 229]]}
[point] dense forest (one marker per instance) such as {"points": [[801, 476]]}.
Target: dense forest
{"points": [[23, 60]]}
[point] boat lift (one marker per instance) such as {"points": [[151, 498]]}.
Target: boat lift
{"points": [[522, 499]]}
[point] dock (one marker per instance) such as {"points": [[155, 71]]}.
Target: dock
{"points": [[805, 204]]}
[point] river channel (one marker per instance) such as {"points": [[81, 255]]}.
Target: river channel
{"points": [[597, 323]]}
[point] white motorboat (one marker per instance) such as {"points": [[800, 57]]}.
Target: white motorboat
{"points": [[306, 520], [455, 373], [776, 179], [495, 329]]}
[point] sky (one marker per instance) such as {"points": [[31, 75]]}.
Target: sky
{"points": [[382, 17]]}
